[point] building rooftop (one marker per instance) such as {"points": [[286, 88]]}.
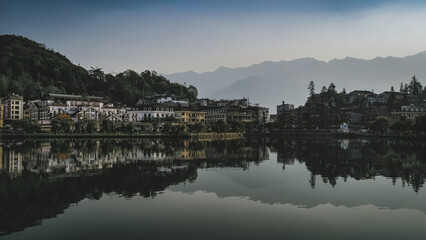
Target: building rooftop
{"points": [[70, 96]]}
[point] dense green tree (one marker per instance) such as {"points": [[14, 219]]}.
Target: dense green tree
{"points": [[402, 125], [178, 129], [332, 88], [237, 126], [379, 124], [30, 69], [220, 126], [86, 126], [198, 128], [60, 125], [108, 126], [420, 124], [415, 87], [167, 127]]}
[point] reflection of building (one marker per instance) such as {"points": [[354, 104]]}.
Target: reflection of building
{"points": [[1, 114], [64, 158], [187, 154], [242, 153], [1, 158], [148, 155], [12, 162]]}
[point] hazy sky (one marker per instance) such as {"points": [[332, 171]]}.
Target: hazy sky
{"points": [[201, 35]]}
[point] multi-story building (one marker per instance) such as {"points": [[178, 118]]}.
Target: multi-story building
{"points": [[165, 99], [74, 105], [249, 115], [109, 109], [410, 111], [190, 116], [216, 114], [150, 113], [243, 114], [14, 108], [87, 113], [284, 107], [243, 102], [262, 115]]}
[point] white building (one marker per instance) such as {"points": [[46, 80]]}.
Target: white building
{"points": [[410, 111], [150, 113], [14, 108]]}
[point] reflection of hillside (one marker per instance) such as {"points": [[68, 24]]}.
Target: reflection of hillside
{"points": [[28, 199], [357, 159], [41, 179]]}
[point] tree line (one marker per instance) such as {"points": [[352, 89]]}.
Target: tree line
{"points": [[30, 69]]}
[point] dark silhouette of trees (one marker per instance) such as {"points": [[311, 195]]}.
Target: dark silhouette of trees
{"points": [[311, 88]]}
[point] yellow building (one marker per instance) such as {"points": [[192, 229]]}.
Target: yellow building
{"points": [[189, 116], [27, 113]]}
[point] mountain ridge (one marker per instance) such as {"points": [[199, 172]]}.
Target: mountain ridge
{"points": [[379, 74]]}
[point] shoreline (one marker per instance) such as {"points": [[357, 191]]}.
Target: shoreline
{"points": [[212, 136], [340, 135], [199, 136]]}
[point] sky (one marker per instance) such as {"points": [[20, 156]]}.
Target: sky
{"points": [[171, 36]]}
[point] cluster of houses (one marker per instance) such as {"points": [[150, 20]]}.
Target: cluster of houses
{"points": [[360, 106], [159, 108]]}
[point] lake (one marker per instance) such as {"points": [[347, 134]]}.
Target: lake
{"points": [[185, 189]]}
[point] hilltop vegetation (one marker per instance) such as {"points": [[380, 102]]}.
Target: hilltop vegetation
{"points": [[31, 69]]}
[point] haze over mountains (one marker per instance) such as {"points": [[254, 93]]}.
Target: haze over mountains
{"points": [[269, 83]]}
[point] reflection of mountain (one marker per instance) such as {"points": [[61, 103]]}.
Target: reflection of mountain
{"points": [[346, 173], [41, 179]]}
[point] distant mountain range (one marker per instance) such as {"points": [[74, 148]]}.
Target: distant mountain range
{"points": [[270, 83]]}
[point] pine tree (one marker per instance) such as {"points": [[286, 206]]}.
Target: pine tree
{"points": [[311, 88], [415, 87]]}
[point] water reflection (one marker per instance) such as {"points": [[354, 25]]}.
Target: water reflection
{"points": [[358, 159], [40, 179]]}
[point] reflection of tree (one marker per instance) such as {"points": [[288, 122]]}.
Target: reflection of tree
{"points": [[30, 198], [390, 158]]}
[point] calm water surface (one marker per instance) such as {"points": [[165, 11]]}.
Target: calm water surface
{"points": [[251, 189]]}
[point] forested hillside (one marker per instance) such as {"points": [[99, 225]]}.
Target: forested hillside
{"points": [[31, 69]]}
